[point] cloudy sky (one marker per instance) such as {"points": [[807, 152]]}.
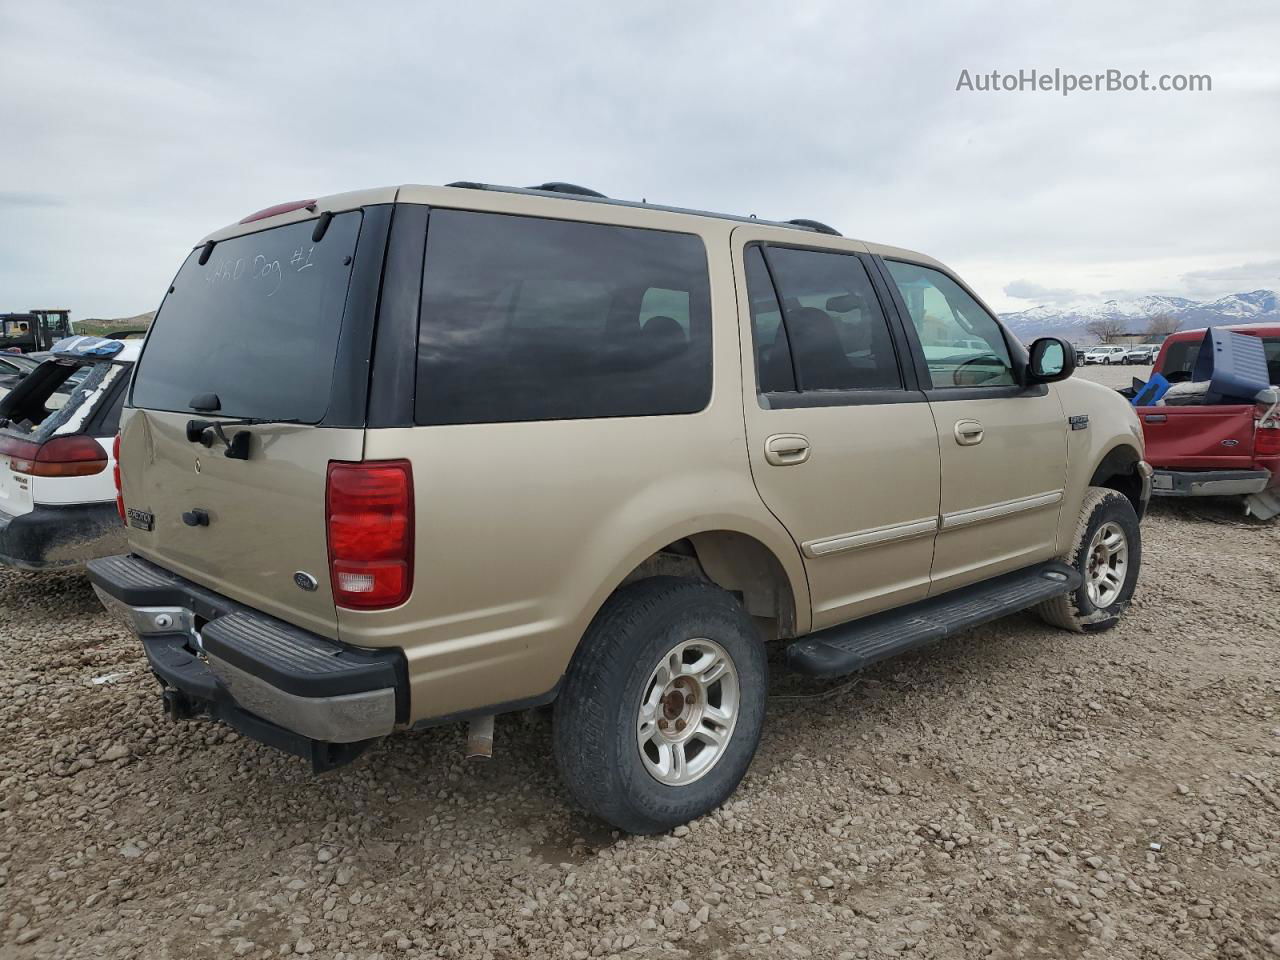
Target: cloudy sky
{"points": [[132, 129]]}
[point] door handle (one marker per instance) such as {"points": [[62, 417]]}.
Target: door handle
{"points": [[786, 449], [968, 432]]}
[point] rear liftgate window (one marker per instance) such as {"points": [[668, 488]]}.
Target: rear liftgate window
{"points": [[257, 325], [533, 319]]}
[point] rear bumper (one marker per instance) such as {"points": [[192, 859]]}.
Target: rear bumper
{"points": [[284, 686], [1208, 483], [60, 537]]}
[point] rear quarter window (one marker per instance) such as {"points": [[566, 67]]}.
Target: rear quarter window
{"points": [[526, 318]]}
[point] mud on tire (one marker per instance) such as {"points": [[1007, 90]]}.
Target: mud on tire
{"points": [[1083, 610], [599, 721]]}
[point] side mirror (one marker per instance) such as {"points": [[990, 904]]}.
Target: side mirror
{"points": [[1052, 358]]}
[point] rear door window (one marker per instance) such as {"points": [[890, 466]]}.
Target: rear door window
{"points": [[831, 333], [526, 318], [774, 372], [257, 325]]}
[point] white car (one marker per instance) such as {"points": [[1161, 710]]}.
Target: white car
{"points": [[57, 463], [1105, 354]]}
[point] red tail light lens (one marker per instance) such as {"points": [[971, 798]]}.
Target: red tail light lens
{"points": [[74, 456], [1266, 441], [369, 513], [278, 209], [115, 475]]}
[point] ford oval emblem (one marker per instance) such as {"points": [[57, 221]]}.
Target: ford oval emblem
{"points": [[1231, 443], [305, 581]]}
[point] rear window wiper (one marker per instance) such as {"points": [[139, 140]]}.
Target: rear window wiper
{"points": [[206, 432]]}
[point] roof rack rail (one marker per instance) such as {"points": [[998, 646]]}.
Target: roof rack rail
{"points": [[559, 186], [569, 191], [816, 225]]}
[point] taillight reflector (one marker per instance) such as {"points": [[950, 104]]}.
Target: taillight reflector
{"points": [[369, 515], [74, 456], [115, 475], [1266, 441]]}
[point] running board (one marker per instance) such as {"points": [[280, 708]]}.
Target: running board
{"points": [[847, 647]]}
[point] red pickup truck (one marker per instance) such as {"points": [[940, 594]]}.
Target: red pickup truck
{"points": [[1215, 450]]}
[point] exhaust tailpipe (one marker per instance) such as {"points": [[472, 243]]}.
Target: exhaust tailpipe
{"points": [[480, 738]]}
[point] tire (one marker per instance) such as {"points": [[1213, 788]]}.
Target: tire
{"points": [[1092, 611], [597, 726]]}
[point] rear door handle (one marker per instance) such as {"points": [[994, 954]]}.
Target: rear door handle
{"points": [[968, 432], [786, 449]]}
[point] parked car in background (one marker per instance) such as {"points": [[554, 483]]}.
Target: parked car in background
{"points": [[13, 367], [1143, 353], [1230, 449], [391, 477], [1105, 354], [57, 429]]}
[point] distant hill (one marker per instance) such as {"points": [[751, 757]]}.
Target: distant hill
{"points": [[1072, 320], [104, 328]]}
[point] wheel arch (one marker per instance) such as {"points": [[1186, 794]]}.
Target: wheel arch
{"points": [[764, 571], [1118, 470]]}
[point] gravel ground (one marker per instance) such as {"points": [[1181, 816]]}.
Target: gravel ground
{"points": [[1018, 791]]}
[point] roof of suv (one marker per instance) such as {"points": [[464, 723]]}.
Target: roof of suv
{"points": [[467, 194]]}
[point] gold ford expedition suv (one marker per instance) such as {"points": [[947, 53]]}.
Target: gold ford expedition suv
{"points": [[417, 455]]}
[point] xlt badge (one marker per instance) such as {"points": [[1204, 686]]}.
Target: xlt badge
{"points": [[140, 519]]}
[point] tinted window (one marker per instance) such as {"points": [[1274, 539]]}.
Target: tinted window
{"points": [[962, 343], [774, 372], [837, 333], [257, 325], [532, 319]]}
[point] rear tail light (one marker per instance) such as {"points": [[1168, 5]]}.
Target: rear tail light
{"points": [[115, 475], [369, 514], [1266, 440], [74, 456]]}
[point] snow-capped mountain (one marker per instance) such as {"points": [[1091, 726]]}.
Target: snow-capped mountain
{"points": [[1072, 320]]}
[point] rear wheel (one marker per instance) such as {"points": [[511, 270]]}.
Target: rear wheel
{"points": [[1107, 550], [663, 705]]}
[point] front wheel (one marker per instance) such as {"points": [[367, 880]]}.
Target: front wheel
{"points": [[662, 707], [1107, 551]]}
